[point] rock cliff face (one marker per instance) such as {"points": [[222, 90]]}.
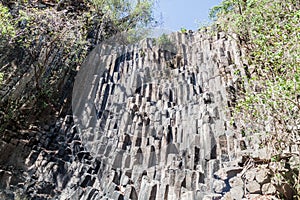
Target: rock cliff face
{"points": [[150, 122], [155, 116]]}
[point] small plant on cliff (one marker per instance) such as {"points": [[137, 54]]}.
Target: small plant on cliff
{"points": [[183, 30], [1, 78], [7, 29]]}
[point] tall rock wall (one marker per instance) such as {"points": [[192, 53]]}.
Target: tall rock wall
{"points": [[154, 114], [150, 121]]}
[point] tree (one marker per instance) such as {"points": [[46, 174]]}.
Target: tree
{"points": [[48, 41]]}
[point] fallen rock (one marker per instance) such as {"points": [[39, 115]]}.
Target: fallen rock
{"points": [[262, 176], [227, 173], [268, 188], [219, 186], [227, 196], [250, 174], [253, 196], [237, 192], [236, 181], [212, 197], [253, 187]]}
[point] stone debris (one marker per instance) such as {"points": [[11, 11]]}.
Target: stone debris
{"points": [[237, 192], [268, 188], [262, 176], [236, 181], [253, 187], [219, 186]]}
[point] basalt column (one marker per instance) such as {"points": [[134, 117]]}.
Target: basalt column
{"points": [[153, 114]]}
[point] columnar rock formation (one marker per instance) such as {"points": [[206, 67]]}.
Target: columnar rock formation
{"points": [[154, 115], [150, 122]]}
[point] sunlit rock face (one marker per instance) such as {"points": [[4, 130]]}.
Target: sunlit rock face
{"points": [[153, 115]]}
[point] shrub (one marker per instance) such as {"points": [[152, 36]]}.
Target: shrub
{"points": [[124, 13], [183, 30], [7, 29], [269, 30], [51, 42]]}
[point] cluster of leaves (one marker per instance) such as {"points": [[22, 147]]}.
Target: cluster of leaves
{"points": [[126, 14], [6, 27], [183, 30], [269, 30]]}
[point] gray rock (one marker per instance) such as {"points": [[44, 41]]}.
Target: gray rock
{"points": [[250, 174], [46, 127], [186, 195], [268, 188], [227, 173], [294, 161], [237, 192], [141, 131], [227, 196], [124, 180], [253, 187], [212, 197], [253, 196], [5, 177], [117, 195], [236, 181], [262, 176], [219, 186]]}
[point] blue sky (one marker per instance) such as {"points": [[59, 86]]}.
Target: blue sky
{"points": [[187, 14]]}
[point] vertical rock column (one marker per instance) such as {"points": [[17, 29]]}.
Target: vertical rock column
{"points": [[155, 116]]}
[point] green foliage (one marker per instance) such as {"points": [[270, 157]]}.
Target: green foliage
{"points": [[164, 41], [269, 30], [51, 43], [135, 35], [183, 30], [1, 78], [223, 9], [7, 29], [125, 13]]}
